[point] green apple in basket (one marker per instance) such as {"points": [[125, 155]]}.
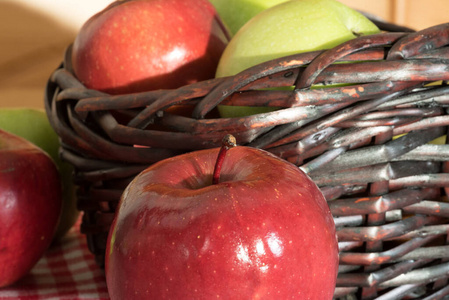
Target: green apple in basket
{"points": [[292, 27], [235, 13], [33, 125]]}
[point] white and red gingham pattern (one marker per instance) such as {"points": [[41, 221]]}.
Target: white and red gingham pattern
{"points": [[67, 271]]}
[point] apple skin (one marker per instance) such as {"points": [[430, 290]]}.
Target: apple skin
{"points": [[263, 232], [142, 45], [291, 27], [30, 205], [235, 13], [32, 124]]}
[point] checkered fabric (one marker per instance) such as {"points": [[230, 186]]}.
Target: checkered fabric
{"points": [[67, 271]]}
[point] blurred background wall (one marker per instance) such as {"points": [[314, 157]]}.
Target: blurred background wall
{"points": [[34, 34]]}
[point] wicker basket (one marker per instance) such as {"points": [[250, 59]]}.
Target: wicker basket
{"points": [[387, 193]]}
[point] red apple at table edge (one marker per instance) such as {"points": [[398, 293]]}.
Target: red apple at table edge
{"points": [[264, 231], [141, 45], [30, 205]]}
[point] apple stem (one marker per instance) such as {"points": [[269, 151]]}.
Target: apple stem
{"points": [[227, 143]]}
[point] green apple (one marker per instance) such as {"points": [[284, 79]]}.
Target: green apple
{"points": [[291, 27], [33, 125], [235, 13], [438, 141]]}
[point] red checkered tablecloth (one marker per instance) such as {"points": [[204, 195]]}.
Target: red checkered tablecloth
{"points": [[67, 271]]}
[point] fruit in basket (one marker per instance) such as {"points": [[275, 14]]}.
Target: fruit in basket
{"points": [[33, 125], [260, 230], [235, 13], [30, 205], [292, 27], [141, 45]]}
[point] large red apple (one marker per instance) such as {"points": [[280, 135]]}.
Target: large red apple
{"points": [[30, 205], [264, 231], [141, 45]]}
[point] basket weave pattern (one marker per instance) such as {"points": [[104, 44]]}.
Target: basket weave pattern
{"points": [[363, 138]]}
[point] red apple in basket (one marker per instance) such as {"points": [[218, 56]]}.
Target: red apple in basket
{"points": [[262, 230], [30, 205], [141, 45]]}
